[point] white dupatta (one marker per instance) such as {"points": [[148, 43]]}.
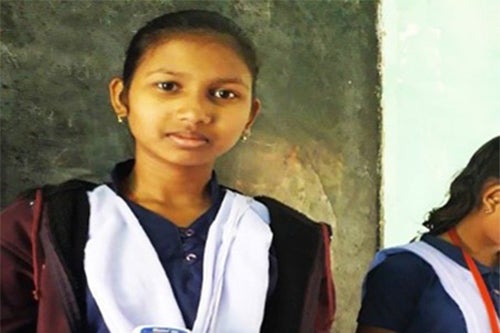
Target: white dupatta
{"points": [[456, 280], [131, 289]]}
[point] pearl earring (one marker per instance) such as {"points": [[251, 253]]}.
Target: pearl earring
{"points": [[245, 135]]}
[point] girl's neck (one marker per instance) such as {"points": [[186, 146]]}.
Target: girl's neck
{"points": [[152, 180], [475, 243]]}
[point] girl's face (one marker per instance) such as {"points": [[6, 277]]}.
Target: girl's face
{"points": [[491, 219], [189, 100]]}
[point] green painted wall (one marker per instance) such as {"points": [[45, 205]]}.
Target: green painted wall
{"points": [[441, 83]]}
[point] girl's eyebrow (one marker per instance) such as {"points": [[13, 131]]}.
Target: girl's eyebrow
{"points": [[165, 71], [221, 80], [231, 80]]}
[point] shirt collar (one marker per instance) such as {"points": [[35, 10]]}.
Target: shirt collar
{"points": [[200, 225], [120, 172]]}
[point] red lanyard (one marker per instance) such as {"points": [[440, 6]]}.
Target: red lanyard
{"points": [[490, 308]]}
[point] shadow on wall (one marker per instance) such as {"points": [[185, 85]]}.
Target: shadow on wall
{"points": [[314, 147]]}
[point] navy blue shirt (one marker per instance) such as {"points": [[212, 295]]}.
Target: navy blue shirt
{"points": [[180, 251], [404, 294]]}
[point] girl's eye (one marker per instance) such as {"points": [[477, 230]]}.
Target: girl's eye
{"points": [[168, 86], [223, 94]]}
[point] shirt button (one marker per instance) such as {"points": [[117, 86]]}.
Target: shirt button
{"points": [[191, 257], [189, 232]]}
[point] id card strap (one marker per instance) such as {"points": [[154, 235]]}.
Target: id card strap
{"points": [[490, 308]]}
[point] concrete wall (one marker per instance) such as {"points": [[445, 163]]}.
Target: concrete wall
{"points": [[315, 147]]}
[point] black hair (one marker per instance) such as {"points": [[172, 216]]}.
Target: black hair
{"points": [[466, 188], [188, 21]]}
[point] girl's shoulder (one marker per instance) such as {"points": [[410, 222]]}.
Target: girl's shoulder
{"points": [[71, 186], [399, 275], [280, 211], [404, 265], [393, 288], [17, 218], [50, 190], [285, 217]]}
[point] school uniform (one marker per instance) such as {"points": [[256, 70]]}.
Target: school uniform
{"points": [[297, 295], [406, 291]]}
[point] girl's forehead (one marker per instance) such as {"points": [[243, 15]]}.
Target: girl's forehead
{"points": [[194, 48], [197, 36]]}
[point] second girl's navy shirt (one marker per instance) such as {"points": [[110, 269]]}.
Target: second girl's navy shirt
{"points": [[404, 294]]}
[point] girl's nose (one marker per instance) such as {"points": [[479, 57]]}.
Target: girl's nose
{"points": [[195, 110]]}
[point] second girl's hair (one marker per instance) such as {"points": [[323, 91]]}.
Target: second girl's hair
{"points": [[466, 188], [187, 21]]}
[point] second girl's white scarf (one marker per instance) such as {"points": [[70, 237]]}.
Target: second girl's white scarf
{"points": [[125, 276]]}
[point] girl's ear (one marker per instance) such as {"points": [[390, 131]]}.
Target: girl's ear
{"points": [[491, 198], [118, 98], [254, 111]]}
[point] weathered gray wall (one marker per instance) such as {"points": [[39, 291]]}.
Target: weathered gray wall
{"points": [[315, 146]]}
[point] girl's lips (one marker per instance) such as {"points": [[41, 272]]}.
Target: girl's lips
{"points": [[188, 139]]}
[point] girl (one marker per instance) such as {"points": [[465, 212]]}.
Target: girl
{"points": [[449, 280], [164, 247]]}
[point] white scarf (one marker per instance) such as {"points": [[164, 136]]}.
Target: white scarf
{"points": [[130, 287], [456, 280]]}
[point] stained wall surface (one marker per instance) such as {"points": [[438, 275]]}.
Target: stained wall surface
{"points": [[315, 145]]}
